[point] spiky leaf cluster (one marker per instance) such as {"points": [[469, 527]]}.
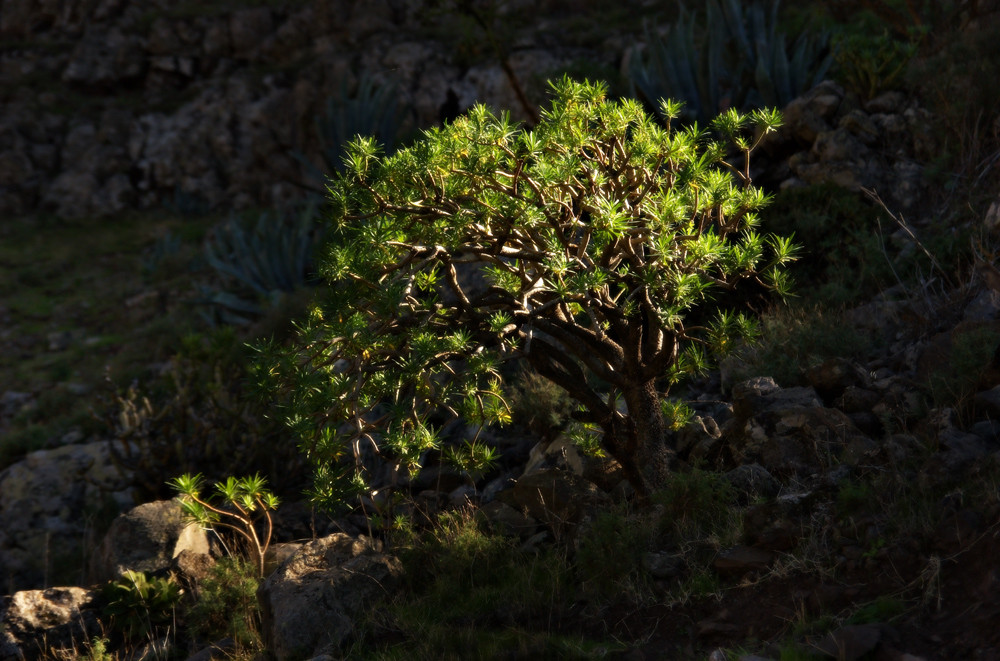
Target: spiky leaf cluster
{"points": [[244, 501], [599, 233]]}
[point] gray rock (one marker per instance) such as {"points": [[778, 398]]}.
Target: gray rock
{"points": [[851, 642], [278, 554], [988, 430], [753, 481], [961, 449], [788, 430], [104, 58], [221, 128], [509, 521], [663, 565], [886, 102], [740, 560], [988, 402], [559, 499], [699, 439], [855, 399], [859, 124], [309, 604], [190, 569], [984, 307], [71, 194], [37, 624], [248, 29], [559, 453], [746, 394], [44, 503], [220, 649], [146, 538], [834, 376], [12, 401]]}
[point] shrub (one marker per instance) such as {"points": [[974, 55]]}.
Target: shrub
{"points": [[245, 501], [197, 417], [796, 338], [473, 594], [840, 232], [697, 505], [608, 557], [604, 236], [870, 65], [138, 604], [227, 604]]}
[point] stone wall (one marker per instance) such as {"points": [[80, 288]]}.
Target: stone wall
{"points": [[107, 105]]}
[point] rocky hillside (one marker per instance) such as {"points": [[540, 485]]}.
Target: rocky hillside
{"points": [[837, 491]]}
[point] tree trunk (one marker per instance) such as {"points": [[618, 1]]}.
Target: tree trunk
{"points": [[639, 442]]}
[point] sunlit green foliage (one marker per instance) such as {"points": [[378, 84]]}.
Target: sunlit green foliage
{"points": [[601, 233], [244, 501]]}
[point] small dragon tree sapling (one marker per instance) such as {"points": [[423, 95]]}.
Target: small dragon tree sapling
{"points": [[246, 501], [603, 235]]}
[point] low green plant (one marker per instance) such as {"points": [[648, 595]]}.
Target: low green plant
{"points": [[137, 604], [793, 651], [162, 251], [839, 231], [956, 377], [184, 203], [700, 582], [538, 404], [853, 496], [868, 65], [196, 416], [960, 84], [608, 557], [906, 19], [698, 505], [244, 501], [227, 605], [795, 338], [472, 458], [97, 650]]}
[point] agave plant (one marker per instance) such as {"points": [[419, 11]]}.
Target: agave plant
{"points": [[675, 68], [741, 61], [372, 111], [259, 261]]}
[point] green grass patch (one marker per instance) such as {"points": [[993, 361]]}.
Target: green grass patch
{"points": [[474, 594], [81, 308]]}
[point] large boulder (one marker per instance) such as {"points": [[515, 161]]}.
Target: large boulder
{"points": [[147, 538], [562, 500], [50, 504], [51, 623], [789, 432], [309, 605]]}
